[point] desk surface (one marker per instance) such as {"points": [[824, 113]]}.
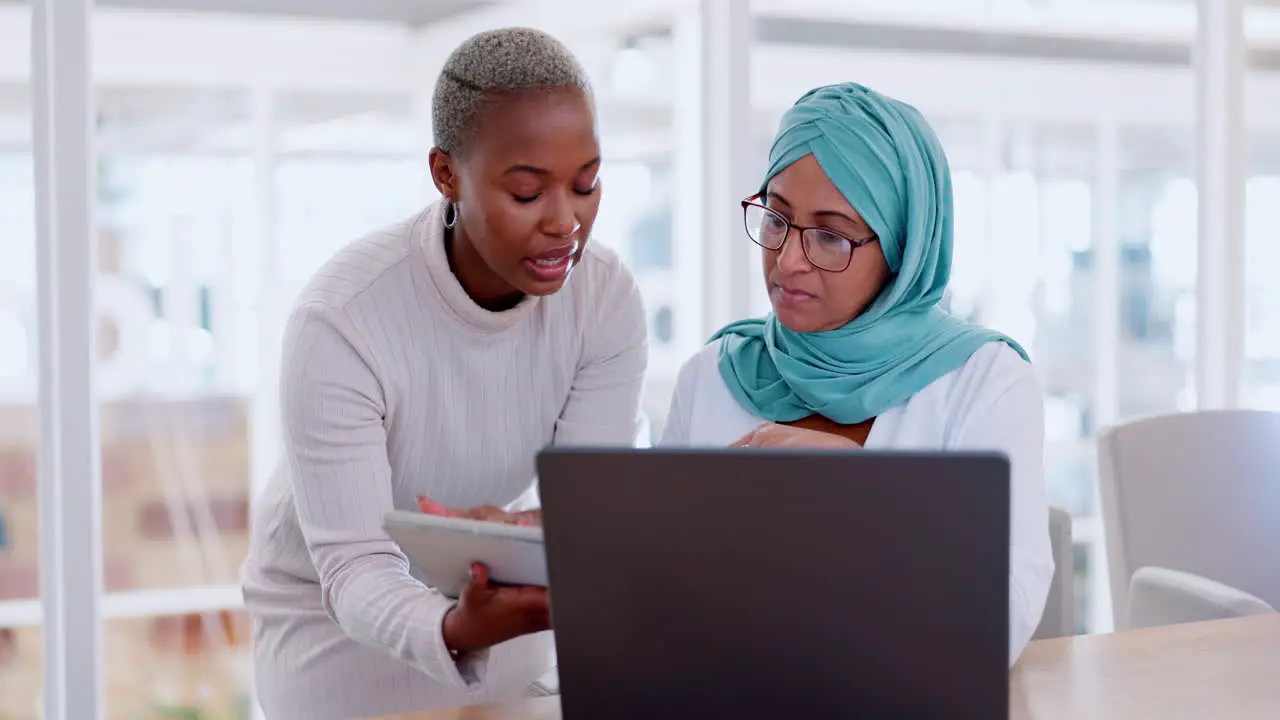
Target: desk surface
{"points": [[1224, 669]]}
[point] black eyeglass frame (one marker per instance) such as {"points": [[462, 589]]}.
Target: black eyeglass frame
{"points": [[753, 202]]}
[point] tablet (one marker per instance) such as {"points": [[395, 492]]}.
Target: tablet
{"points": [[443, 548]]}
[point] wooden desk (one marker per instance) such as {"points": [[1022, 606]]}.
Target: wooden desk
{"points": [[1198, 671], [1201, 671]]}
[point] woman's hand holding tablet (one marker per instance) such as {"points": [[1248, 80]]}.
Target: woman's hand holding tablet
{"points": [[487, 614], [490, 559]]}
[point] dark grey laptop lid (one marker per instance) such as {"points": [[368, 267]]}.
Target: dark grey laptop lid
{"points": [[730, 583]]}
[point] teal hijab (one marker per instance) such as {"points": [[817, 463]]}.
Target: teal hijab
{"points": [[886, 161]]}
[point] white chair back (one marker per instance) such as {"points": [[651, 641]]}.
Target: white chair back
{"points": [[1196, 492], [1159, 596]]}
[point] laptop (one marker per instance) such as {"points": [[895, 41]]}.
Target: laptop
{"points": [[778, 584]]}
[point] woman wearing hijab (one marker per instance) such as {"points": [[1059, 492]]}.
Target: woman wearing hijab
{"points": [[855, 221]]}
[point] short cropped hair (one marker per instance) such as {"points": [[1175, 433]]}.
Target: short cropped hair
{"points": [[491, 64]]}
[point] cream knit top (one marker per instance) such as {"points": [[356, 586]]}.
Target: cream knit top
{"points": [[395, 384]]}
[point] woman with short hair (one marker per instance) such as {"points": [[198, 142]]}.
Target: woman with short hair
{"points": [[434, 359]]}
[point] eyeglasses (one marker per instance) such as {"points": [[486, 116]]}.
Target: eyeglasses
{"points": [[824, 249]]}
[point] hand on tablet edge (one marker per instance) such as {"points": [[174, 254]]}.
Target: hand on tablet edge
{"points": [[487, 513], [487, 614]]}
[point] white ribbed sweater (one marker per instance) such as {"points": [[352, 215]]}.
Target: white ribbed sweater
{"points": [[395, 384]]}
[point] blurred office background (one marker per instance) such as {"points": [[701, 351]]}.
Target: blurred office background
{"points": [[240, 142]]}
